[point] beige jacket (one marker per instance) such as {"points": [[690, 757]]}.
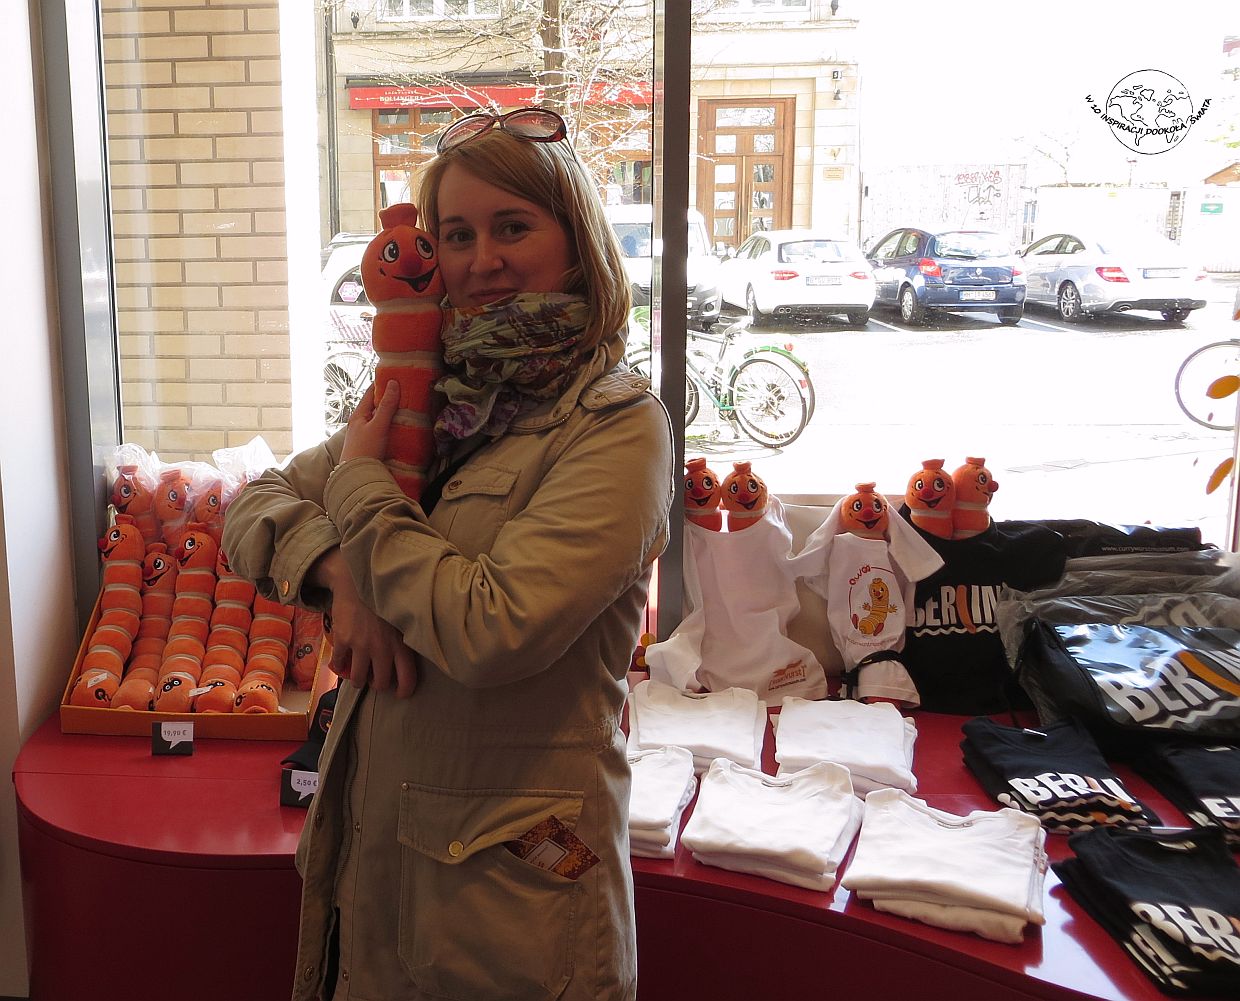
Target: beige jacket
{"points": [[522, 594]]}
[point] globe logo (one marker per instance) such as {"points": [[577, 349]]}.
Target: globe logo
{"points": [[1149, 111]]}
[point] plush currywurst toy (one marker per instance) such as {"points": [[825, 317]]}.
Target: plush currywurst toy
{"points": [[271, 635], [930, 497], [974, 488], [132, 494], [744, 497], [703, 492], [864, 559], [227, 641], [400, 272], [159, 578], [120, 607], [191, 617]]}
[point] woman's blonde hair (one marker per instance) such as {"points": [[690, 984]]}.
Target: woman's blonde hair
{"points": [[550, 176]]}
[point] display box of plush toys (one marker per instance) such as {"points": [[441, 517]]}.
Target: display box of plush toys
{"points": [[176, 635]]}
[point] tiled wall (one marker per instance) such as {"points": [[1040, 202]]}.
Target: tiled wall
{"points": [[195, 145]]}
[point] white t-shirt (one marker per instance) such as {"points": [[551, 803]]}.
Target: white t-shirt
{"points": [[728, 724], [663, 785], [740, 595], [793, 828], [874, 742]]}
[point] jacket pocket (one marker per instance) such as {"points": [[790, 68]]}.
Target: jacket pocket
{"points": [[475, 920], [477, 502]]}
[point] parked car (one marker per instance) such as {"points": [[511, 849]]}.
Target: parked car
{"points": [[1081, 273], [921, 271], [789, 272], [634, 227], [349, 312]]}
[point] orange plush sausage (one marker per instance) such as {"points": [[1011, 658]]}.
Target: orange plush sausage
{"points": [[703, 493], [133, 493], [400, 272], [307, 642], [931, 496], [159, 578], [744, 497], [171, 506], [227, 642], [974, 489], [207, 507], [271, 634], [120, 606], [191, 616]]}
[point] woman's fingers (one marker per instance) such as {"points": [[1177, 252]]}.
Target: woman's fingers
{"points": [[366, 433]]}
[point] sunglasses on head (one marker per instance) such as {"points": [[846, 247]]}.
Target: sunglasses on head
{"points": [[531, 125]]}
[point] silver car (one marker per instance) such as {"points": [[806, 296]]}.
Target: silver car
{"points": [[1082, 274]]}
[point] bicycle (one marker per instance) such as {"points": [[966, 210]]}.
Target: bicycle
{"points": [[1196, 373], [347, 371], [767, 393]]}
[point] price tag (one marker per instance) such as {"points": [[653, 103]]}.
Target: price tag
{"points": [[297, 787], [172, 738]]}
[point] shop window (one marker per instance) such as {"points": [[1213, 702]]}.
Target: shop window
{"points": [[414, 10]]}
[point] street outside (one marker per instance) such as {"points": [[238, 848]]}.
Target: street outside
{"points": [[1075, 421]]}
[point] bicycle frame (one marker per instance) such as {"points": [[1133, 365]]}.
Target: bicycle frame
{"points": [[716, 383]]}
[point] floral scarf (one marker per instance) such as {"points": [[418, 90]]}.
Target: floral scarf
{"points": [[503, 358]]}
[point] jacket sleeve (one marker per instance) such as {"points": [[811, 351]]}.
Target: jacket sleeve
{"points": [[277, 527], [596, 522]]}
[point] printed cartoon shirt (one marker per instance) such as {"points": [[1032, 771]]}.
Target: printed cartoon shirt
{"points": [[953, 649]]}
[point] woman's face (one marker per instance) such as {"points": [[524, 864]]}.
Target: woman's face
{"points": [[493, 244]]}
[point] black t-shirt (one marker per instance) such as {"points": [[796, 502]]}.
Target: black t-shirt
{"points": [[1203, 780], [952, 649], [1172, 901]]}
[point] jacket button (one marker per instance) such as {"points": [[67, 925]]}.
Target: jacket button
{"points": [[284, 585], [318, 818], [405, 786], [454, 484], [307, 973], [455, 849]]}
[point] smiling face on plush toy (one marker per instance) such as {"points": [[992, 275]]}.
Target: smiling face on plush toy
{"points": [[878, 592], [703, 490], [155, 566], [123, 541], [973, 481], [864, 513], [743, 490], [402, 261], [197, 549], [129, 493], [929, 487]]}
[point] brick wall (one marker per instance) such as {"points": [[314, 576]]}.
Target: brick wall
{"points": [[195, 146]]}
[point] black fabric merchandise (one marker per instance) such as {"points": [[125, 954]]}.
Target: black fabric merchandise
{"points": [[1203, 780], [1056, 774], [1172, 901], [1134, 685], [1094, 538], [952, 649]]}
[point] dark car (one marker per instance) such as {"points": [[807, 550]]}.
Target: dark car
{"points": [[957, 270]]}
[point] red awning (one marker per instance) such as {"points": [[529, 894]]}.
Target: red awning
{"points": [[486, 95]]}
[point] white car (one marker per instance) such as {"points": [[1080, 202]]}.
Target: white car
{"points": [[786, 272], [1082, 273], [633, 226]]}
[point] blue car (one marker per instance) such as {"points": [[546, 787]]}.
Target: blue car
{"points": [[920, 271]]}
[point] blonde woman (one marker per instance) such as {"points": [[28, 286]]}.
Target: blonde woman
{"points": [[469, 836]]}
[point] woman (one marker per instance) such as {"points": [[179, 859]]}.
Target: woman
{"points": [[486, 640]]}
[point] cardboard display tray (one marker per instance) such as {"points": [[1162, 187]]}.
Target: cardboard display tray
{"points": [[292, 724]]}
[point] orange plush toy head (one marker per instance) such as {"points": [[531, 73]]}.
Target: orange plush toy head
{"points": [[974, 488], [930, 496], [402, 261], [744, 497], [703, 493], [865, 513], [171, 505]]}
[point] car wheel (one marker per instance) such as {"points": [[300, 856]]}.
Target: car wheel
{"points": [[858, 318], [1011, 316], [756, 317], [1175, 315], [1069, 303], [911, 311]]}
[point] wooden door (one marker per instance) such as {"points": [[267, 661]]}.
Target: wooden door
{"points": [[745, 166]]}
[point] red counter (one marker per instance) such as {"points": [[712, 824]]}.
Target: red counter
{"points": [[173, 877]]}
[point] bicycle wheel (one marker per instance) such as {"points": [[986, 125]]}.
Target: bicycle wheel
{"points": [[346, 374], [769, 400], [639, 362], [1196, 373]]}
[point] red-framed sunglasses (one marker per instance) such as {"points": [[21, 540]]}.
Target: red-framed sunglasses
{"points": [[531, 125]]}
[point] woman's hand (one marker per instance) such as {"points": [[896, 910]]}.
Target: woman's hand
{"points": [[366, 649], [367, 431]]}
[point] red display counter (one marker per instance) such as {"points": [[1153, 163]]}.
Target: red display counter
{"points": [[172, 877]]}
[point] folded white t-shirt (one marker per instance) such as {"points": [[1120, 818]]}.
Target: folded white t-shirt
{"points": [[663, 784], [908, 851], [728, 724], [874, 742], [794, 828]]}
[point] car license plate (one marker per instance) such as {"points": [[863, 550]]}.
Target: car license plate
{"points": [[977, 295], [822, 280], [1161, 272]]}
